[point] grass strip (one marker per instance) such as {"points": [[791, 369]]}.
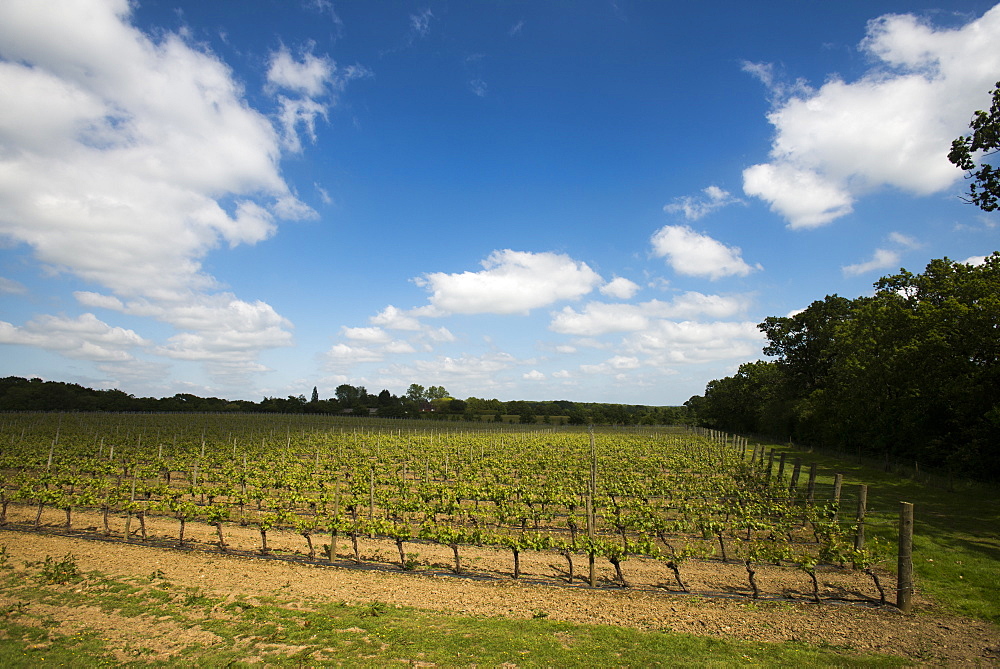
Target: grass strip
{"points": [[956, 548], [283, 633]]}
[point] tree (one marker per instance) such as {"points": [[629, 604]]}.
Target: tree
{"points": [[315, 395], [803, 343], [984, 191], [436, 393], [416, 393], [347, 395]]}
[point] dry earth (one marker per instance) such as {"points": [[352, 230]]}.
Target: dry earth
{"points": [[719, 604]]}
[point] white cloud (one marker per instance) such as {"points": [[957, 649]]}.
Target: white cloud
{"points": [[884, 258], [420, 23], [127, 158], [881, 259], [511, 282], [974, 260], [690, 342], [311, 79], [694, 208], [85, 337], [621, 288], [695, 254], [599, 318], [533, 375], [802, 196], [614, 365], [398, 346], [904, 241], [692, 303], [308, 76], [225, 333], [370, 335], [441, 334], [463, 375], [843, 140], [343, 355], [396, 319], [12, 287]]}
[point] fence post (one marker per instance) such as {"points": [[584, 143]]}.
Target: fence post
{"points": [[591, 519], [811, 489], [796, 470], [838, 482], [904, 584], [859, 535]]}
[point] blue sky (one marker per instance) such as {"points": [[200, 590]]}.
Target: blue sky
{"points": [[594, 201]]}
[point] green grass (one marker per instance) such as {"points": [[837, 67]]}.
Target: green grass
{"points": [[279, 632], [956, 545]]}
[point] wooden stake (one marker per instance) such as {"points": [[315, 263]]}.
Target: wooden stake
{"points": [[859, 535], [904, 584]]}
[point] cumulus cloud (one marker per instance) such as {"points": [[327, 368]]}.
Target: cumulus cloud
{"points": [[599, 318], [12, 287], [371, 335], [694, 254], [127, 158], [881, 259], [396, 319], [477, 373], [840, 141], [311, 79], [216, 327], [85, 337], [695, 207], [345, 355], [511, 282], [620, 287], [533, 375], [884, 258], [614, 365], [308, 76], [691, 342]]}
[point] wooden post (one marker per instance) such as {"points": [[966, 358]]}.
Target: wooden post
{"points": [[811, 489], [770, 462], [371, 502], [781, 468], [796, 470], [838, 482], [904, 584], [859, 535], [591, 519]]}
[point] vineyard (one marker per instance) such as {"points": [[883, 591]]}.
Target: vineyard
{"points": [[581, 497]]}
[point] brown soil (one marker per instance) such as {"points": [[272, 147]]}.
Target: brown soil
{"points": [[719, 604]]}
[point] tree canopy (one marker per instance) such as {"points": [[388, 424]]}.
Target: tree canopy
{"points": [[984, 190], [20, 394], [912, 372]]}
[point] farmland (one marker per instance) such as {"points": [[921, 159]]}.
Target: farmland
{"points": [[663, 516]]}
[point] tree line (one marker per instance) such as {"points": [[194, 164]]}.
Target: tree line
{"points": [[433, 402], [909, 374]]}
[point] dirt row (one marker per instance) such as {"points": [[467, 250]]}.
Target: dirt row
{"points": [[718, 605]]}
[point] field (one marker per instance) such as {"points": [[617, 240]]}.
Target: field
{"points": [[314, 540]]}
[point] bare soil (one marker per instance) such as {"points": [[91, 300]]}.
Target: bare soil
{"points": [[719, 603]]}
